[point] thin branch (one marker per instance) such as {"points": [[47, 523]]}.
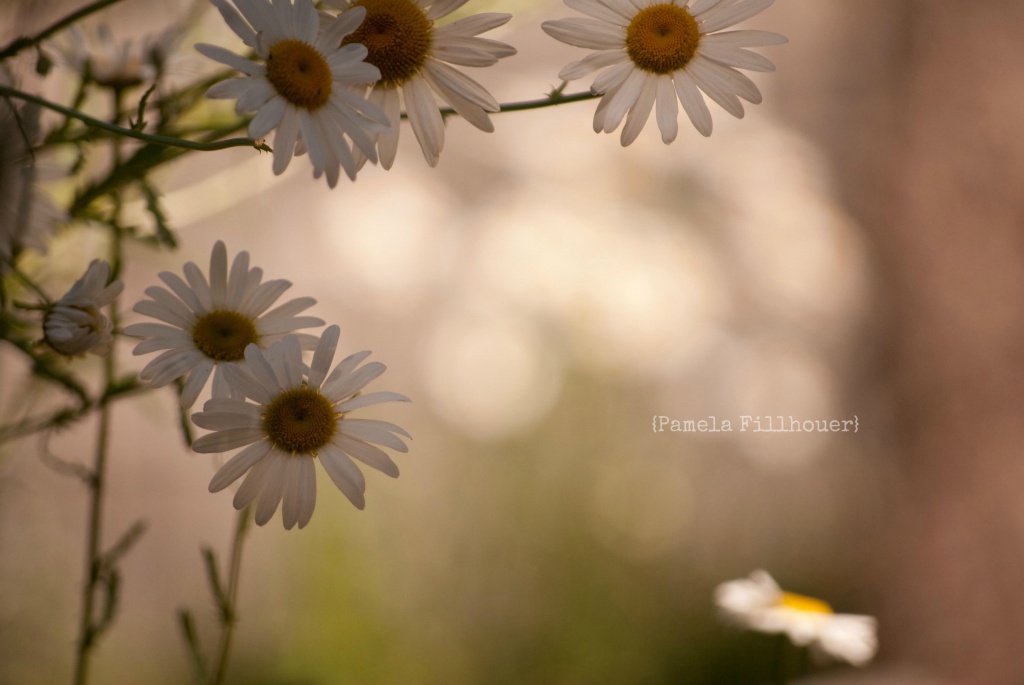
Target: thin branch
{"points": [[19, 44], [131, 133]]}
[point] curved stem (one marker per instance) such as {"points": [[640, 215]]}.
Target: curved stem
{"points": [[555, 98], [228, 614], [551, 100], [132, 133]]}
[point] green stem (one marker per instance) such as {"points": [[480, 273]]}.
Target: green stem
{"points": [[556, 98], [131, 133], [97, 483], [228, 614], [19, 44], [63, 417], [551, 100]]}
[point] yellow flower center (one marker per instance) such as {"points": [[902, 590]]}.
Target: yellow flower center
{"points": [[662, 38], [397, 36], [299, 73], [300, 421], [223, 334], [805, 604]]}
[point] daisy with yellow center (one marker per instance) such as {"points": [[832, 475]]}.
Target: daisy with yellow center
{"points": [[303, 87], [208, 324], [664, 53], [415, 58], [757, 603], [298, 415]]}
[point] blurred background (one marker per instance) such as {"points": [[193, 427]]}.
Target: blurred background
{"points": [[854, 247]]}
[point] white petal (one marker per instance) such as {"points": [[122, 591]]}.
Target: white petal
{"points": [[347, 22], [584, 32], [346, 476], [170, 365], [235, 22], [472, 25], [227, 440], [343, 387], [369, 399], [693, 102], [267, 118], [592, 62], [725, 14], [623, 99], [442, 8], [738, 58], [197, 282], [238, 465], [667, 109], [219, 274], [454, 81], [374, 457], [598, 11], [387, 143], [241, 379], [273, 487], [220, 420], [195, 383], [425, 118], [744, 38], [231, 59], [254, 482], [181, 289], [323, 356], [641, 111], [371, 430], [260, 298], [726, 79], [718, 90], [285, 138]]}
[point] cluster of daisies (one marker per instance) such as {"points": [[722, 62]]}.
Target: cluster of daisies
{"points": [[284, 413], [334, 86]]}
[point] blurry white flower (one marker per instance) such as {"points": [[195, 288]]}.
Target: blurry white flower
{"points": [[414, 57], [656, 52], [75, 324], [26, 215], [302, 87], [116, 63], [759, 604], [209, 324], [299, 414]]}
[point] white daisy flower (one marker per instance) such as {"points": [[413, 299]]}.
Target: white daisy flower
{"points": [[302, 87], [661, 52], [759, 604], [300, 414], [208, 324], [118, 64], [414, 59], [75, 324]]}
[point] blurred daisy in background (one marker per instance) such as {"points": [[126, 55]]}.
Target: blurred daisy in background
{"points": [[661, 53], [299, 414], [414, 59], [75, 325], [208, 324], [757, 603], [26, 214], [118, 64], [302, 87]]}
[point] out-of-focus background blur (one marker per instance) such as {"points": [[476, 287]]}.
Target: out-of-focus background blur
{"points": [[853, 247]]}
